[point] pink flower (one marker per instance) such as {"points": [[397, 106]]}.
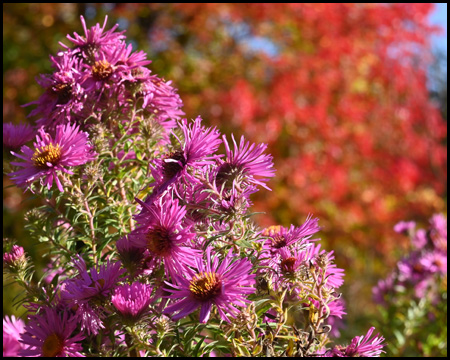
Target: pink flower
{"points": [[52, 156], [12, 329], [50, 334], [225, 286]]}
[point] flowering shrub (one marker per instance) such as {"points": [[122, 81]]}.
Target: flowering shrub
{"points": [[413, 298], [147, 226]]}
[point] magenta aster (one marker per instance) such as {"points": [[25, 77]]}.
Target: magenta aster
{"points": [[95, 39], [196, 150], [52, 156], [12, 330], [246, 163], [48, 334], [132, 301], [404, 227], [360, 346], [279, 237], [15, 257], [162, 233], [14, 136], [63, 96], [225, 286], [97, 282]]}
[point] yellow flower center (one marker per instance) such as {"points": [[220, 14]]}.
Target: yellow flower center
{"points": [[46, 154], [52, 346], [205, 286], [102, 70]]}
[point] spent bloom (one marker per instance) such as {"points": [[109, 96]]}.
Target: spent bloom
{"points": [[52, 156], [225, 286], [14, 136], [12, 330], [49, 334]]}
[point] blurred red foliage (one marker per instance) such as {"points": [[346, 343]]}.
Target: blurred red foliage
{"points": [[342, 101], [338, 91]]}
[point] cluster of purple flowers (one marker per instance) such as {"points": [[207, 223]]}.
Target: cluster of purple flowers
{"points": [[422, 266], [96, 80], [184, 250]]}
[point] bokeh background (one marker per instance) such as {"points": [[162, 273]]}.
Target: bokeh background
{"points": [[351, 98]]}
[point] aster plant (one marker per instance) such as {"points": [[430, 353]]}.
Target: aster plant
{"points": [[146, 225], [413, 297]]}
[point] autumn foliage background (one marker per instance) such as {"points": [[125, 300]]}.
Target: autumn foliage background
{"points": [[338, 91]]}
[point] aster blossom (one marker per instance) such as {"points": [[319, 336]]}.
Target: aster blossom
{"points": [[246, 163], [12, 330], [225, 286], [52, 156], [162, 233], [64, 97], [14, 136], [196, 150], [132, 301], [95, 282], [360, 346], [279, 236], [95, 39], [49, 334]]}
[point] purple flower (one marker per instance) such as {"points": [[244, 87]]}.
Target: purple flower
{"points": [[63, 96], [162, 102], [97, 282], [438, 232], [14, 136], [404, 227], [94, 40], [53, 268], [12, 330], [162, 233], [15, 258], [419, 239], [233, 201], [382, 288], [279, 237], [360, 346], [130, 255], [49, 334], [51, 157], [196, 150], [247, 163], [291, 266], [132, 301], [225, 286]]}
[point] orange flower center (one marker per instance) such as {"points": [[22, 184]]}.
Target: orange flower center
{"points": [[102, 70], [52, 346], [46, 154], [205, 286]]}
